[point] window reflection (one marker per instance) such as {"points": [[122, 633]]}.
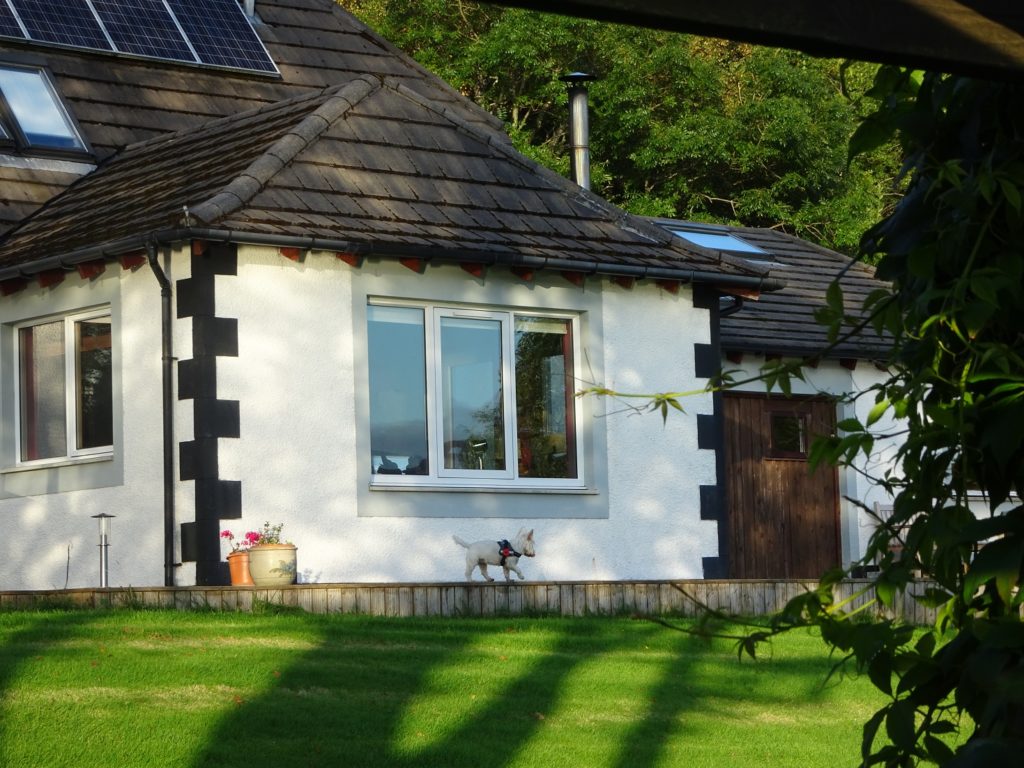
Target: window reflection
{"points": [[34, 106], [43, 419], [95, 390], [544, 397], [471, 394], [398, 393]]}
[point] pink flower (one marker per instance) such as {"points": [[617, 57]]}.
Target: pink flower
{"points": [[269, 534]]}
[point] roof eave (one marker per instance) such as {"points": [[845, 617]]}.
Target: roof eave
{"points": [[433, 254]]}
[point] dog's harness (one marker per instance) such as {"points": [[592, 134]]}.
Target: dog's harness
{"points": [[506, 551]]}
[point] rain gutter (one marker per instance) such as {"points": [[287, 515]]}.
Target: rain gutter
{"points": [[437, 254]]}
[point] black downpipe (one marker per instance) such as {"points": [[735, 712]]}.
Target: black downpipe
{"points": [[734, 306], [168, 411]]}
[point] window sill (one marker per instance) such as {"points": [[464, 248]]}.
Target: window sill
{"points": [[57, 463], [519, 489]]}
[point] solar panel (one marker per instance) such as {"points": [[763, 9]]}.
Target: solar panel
{"points": [[68, 22], [143, 27], [8, 24], [210, 32], [221, 34]]}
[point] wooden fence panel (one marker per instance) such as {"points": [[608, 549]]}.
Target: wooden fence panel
{"points": [[688, 598]]}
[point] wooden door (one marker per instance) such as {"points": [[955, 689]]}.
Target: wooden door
{"points": [[783, 520]]}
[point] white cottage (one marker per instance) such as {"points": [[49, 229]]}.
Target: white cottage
{"points": [[266, 268]]}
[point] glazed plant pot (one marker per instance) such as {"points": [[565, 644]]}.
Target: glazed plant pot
{"points": [[272, 565], [238, 565]]}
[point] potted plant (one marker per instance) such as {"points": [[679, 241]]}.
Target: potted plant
{"points": [[238, 557], [272, 562]]}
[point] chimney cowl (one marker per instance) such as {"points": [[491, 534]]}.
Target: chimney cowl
{"points": [[577, 78]]}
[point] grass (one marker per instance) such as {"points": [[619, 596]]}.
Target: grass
{"points": [[156, 688]]}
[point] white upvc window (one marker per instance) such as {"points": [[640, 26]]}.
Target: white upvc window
{"points": [[64, 393], [477, 397]]}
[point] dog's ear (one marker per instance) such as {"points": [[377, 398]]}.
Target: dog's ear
{"points": [[529, 536]]}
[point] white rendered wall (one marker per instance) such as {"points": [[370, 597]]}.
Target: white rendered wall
{"points": [[855, 482], [656, 469], [50, 539], [298, 378]]}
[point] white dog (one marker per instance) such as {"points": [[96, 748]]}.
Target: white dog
{"points": [[480, 554]]}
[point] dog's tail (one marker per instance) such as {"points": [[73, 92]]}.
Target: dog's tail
{"points": [[460, 542]]}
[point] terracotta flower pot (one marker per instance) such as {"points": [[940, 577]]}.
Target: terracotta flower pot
{"points": [[238, 564], [272, 565]]}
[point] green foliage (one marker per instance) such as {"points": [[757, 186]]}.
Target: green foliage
{"points": [[952, 249], [682, 126]]}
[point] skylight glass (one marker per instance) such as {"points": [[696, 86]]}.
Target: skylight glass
{"points": [[35, 110], [717, 241]]}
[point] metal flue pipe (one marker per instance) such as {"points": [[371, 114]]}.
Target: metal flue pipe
{"points": [[579, 126]]}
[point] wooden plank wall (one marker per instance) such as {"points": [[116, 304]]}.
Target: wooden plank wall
{"points": [[582, 598]]}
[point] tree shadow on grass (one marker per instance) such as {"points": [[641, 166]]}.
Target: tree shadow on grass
{"points": [[26, 638], [397, 693], [353, 700]]}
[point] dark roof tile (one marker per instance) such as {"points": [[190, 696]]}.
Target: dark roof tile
{"points": [[377, 164]]}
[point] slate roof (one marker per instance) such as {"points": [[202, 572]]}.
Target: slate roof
{"points": [[372, 165], [782, 322], [118, 100]]}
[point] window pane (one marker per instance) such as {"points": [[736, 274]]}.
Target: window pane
{"points": [[544, 398], [717, 241], [35, 107], [43, 406], [473, 429], [789, 435], [398, 391], [95, 393]]}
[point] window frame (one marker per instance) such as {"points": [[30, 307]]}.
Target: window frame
{"points": [[461, 479], [71, 388], [16, 138]]}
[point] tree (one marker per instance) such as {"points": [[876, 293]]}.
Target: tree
{"points": [[952, 248], [953, 251], [682, 126]]}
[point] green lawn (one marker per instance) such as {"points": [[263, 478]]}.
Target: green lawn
{"points": [[156, 688]]}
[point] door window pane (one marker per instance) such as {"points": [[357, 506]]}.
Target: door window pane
{"points": [[41, 392], [544, 397], [398, 392], [473, 418], [788, 435]]}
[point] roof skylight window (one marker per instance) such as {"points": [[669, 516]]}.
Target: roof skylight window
{"points": [[31, 114], [716, 241]]}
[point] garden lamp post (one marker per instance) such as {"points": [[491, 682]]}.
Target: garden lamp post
{"points": [[104, 521]]}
